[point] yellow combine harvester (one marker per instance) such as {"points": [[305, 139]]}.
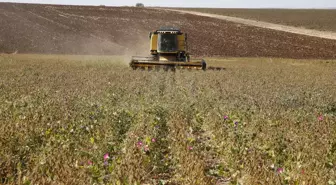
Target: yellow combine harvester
{"points": [[168, 48]]}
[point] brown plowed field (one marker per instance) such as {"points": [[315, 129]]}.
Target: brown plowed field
{"points": [[317, 19], [123, 30]]}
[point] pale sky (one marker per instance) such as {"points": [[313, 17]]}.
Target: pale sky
{"points": [[198, 3]]}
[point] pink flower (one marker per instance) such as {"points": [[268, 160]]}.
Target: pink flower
{"points": [[139, 144], [153, 140], [106, 156], [90, 163], [190, 148], [280, 170], [146, 148], [320, 118], [226, 117]]}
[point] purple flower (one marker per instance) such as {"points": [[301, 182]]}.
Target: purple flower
{"points": [[106, 163], [153, 140], [236, 123], [190, 148], [90, 162], [226, 117], [320, 118], [280, 170]]}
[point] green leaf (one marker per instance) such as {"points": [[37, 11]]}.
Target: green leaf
{"points": [[92, 140]]}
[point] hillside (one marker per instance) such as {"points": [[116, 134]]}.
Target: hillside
{"points": [[51, 29]]}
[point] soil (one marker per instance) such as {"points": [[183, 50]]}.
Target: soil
{"points": [[100, 30], [262, 24]]}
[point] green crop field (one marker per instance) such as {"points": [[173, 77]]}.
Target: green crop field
{"points": [[92, 120], [317, 19]]}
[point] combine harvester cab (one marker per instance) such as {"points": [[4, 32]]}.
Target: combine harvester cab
{"points": [[168, 49]]}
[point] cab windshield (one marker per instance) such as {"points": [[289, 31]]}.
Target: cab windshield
{"points": [[167, 43]]}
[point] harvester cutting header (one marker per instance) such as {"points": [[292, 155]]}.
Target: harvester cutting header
{"points": [[168, 49]]}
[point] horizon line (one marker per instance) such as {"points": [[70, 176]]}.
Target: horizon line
{"points": [[95, 5]]}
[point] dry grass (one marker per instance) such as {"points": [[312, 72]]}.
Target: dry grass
{"points": [[59, 116], [317, 19]]}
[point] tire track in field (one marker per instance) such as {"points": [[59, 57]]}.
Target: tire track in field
{"points": [[190, 166], [267, 25]]}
